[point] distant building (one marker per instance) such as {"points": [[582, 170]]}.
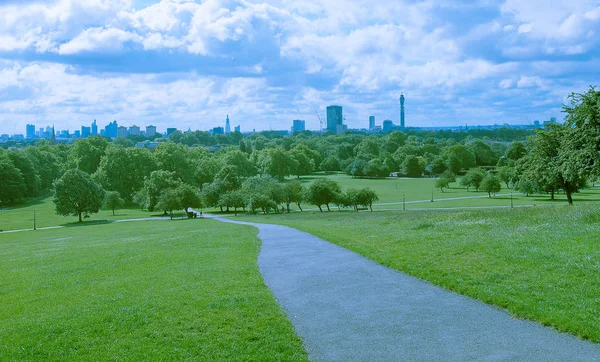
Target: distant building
{"points": [[401, 111], [298, 125], [371, 123], [64, 133], [30, 131], [218, 130], [121, 132], [110, 130], [77, 134], [170, 131], [335, 119], [388, 126], [150, 131], [41, 132], [85, 131], [134, 130], [237, 128], [536, 123], [94, 128], [227, 125]]}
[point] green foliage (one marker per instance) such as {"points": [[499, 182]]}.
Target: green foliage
{"points": [[233, 199], [174, 157], [169, 200], [12, 184], [330, 164], [490, 184], [323, 192], [293, 192], [113, 201], [30, 175], [484, 155], [277, 162], [413, 166], [76, 193], [88, 152], [473, 178], [516, 151], [156, 184], [458, 157]]}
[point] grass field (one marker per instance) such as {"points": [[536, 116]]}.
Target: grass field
{"points": [[21, 216], [540, 263], [148, 290]]}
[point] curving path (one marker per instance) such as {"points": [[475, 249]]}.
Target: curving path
{"points": [[348, 308]]}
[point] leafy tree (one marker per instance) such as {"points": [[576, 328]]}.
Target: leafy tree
{"points": [[156, 184], [31, 178], [278, 163], [484, 155], [458, 157], [87, 153], [205, 170], [169, 200], [212, 192], [490, 184], [413, 167], [323, 191], [123, 142], [76, 193], [330, 164], [113, 201], [189, 197], [366, 197], [174, 157], [516, 151], [357, 168], [234, 199], [12, 185], [293, 193], [240, 160], [507, 174], [442, 182], [473, 178], [46, 163], [305, 164]]}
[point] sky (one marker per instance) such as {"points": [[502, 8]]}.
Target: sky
{"points": [[188, 64]]}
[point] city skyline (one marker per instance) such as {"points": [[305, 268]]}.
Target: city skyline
{"points": [[269, 63]]}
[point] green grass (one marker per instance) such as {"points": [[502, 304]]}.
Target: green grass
{"points": [[540, 263], [151, 290], [21, 216]]}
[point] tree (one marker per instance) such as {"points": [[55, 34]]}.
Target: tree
{"points": [[169, 200], [366, 197], [323, 191], [484, 155], [490, 184], [233, 199], [413, 166], [458, 157], [12, 185], [189, 197], [278, 163], [174, 157], [31, 178], [113, 201], [442, 182], [87, 153], [293, 193], [76, 193], [516, 151], [473, 178], [330, 163], [156, 183]]}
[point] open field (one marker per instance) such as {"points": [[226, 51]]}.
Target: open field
{"points": [[172, 290], [21, 216], [540, 263]]}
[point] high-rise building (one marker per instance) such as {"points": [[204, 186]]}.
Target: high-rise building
{"points": [[77, 134], [335, 119], [121, 132], [41, 132], [85, 131], [227, 125], [134, 130], [110, 130], [30, 131], [170, 131], [371, 123], [94, 128], [237, 128], [150, 131], [218, 130], [298, 125], [401, 110], [388, 125]]}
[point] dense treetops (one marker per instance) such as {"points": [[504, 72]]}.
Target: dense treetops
{"points": [[561, 157]]}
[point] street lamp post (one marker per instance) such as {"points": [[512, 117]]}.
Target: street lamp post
{"points": [[34, 228], [403, 202], [431, 195], [511, 201]]}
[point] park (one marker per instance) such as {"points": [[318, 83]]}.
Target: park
{"points": [[321, 247]]}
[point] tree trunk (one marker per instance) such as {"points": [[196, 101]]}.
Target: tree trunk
{"points": [[221, 208], [235, 211], [80, 218], [371, 207], [227, 209], [552, 195], [320, 209], [569, 196], [300, 207], [171, 214], [113, 212], [288, 207], [328, 209], [490, 195]]}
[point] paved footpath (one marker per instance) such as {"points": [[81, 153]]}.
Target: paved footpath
{"points": [[348, 308]]}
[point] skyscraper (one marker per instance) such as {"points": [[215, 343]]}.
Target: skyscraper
{"points": [[150, 131], [335, 118], [227, 125], [85, 131], [94, 128], [134, 130], [238, 128], [402, 110], [30, 131], [110, 130], [121, 132], [388, 125], [298, 125], [371, 123]]}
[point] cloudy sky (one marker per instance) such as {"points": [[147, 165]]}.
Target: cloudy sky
{"points": [[189, 63]]}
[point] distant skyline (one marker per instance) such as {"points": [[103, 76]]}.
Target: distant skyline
{"points": [[188, 64]]}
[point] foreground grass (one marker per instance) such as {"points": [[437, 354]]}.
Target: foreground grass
{"points": [[21, 216], [161, 290], [540, 263]]}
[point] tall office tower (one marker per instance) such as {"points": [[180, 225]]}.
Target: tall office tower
{"points": [[94, 128], [41, 132], [238, 128], [402, 110], [134, 130], [170, 131], [227, 126], [30, 131], [122, 132], [150, 131], [111, 129], [334, 118], [371, 123], [85, 131], [298, 125]]}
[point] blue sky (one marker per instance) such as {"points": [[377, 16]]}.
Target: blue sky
{"points": [[190, 63]]}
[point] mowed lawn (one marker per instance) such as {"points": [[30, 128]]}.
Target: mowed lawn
{"points": [[541, 263], [21, 216], [148, 290]]}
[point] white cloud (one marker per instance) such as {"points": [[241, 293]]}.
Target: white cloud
{"points": [[593, 14], [506, 83], [525, 28], [98, 39]]}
